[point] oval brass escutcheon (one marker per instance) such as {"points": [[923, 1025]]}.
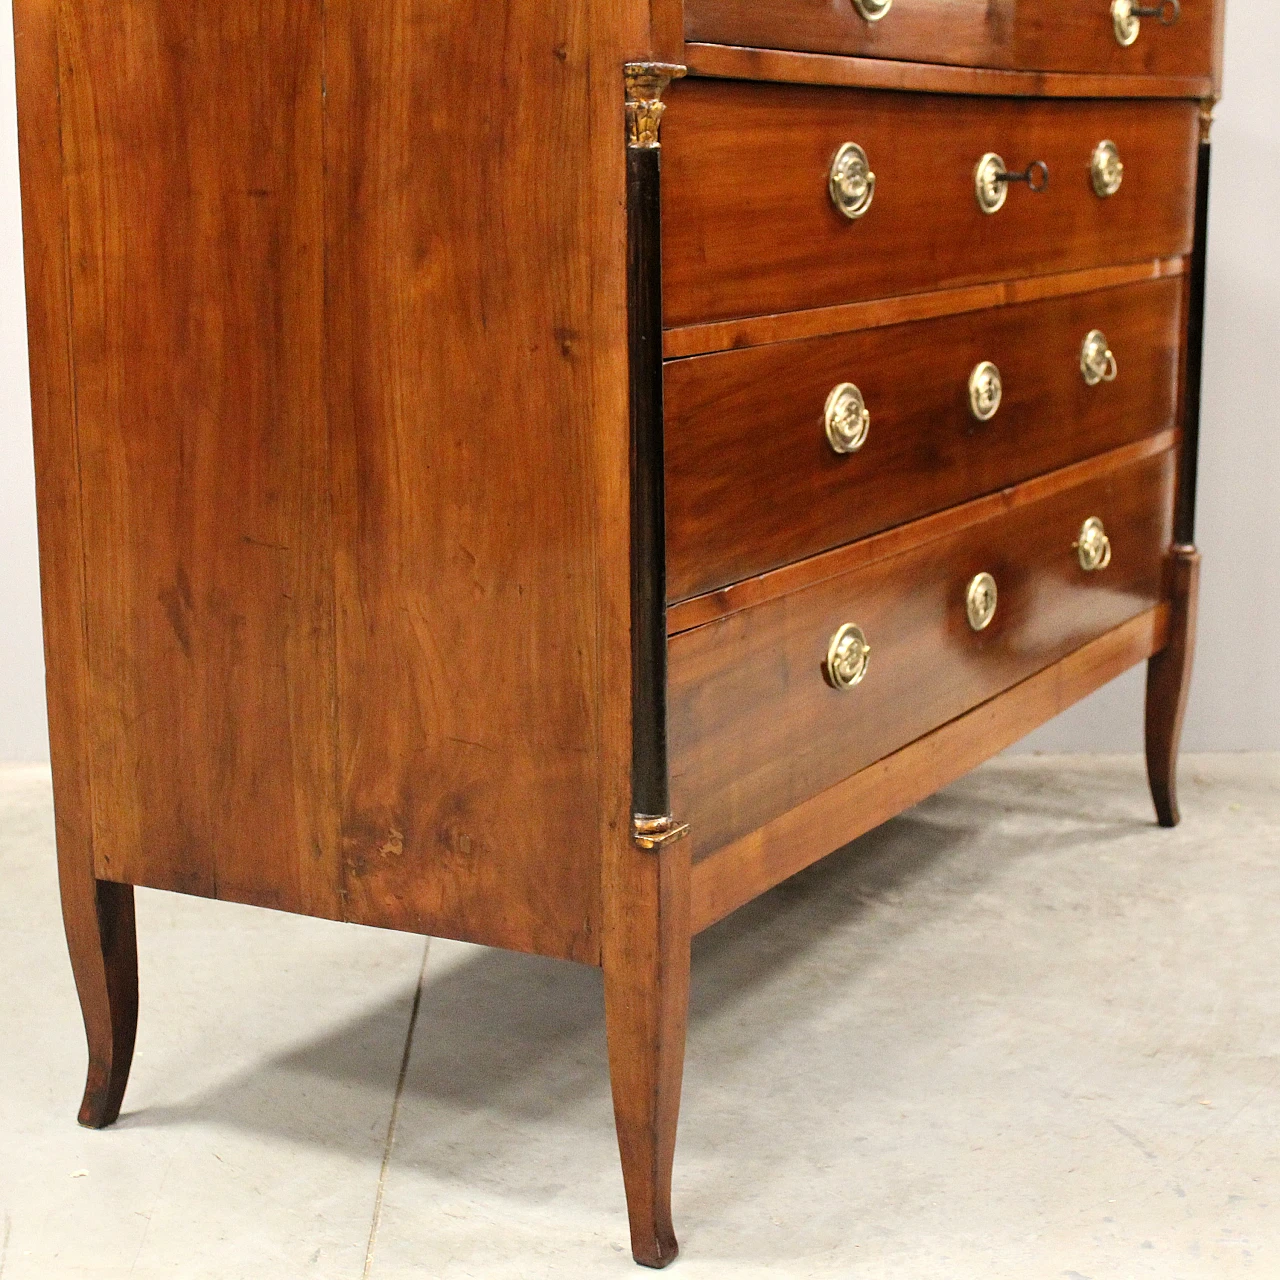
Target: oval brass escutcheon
{"points": [[1106, 169], [873, 10], [847, 418], [985, 391], [988, 183], [851, 183], [1093, 547], [1125, 23], [980, 601], [1097, 364], [1126, 17], [848, 656], [991, 181]]}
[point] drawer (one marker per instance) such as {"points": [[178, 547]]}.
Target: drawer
{"points": [[749, 226], [1031, 35], [753, 481], [755, 728]]}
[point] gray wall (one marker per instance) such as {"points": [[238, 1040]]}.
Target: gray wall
{"points": [[1235, 702]]}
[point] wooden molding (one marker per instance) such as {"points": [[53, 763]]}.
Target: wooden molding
{"points": [[731, 62], [818, 322], [714, 605]]}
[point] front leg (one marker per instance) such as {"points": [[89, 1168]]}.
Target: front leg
{"points": [[646, 1006], [98, 916], [1168, 682]]}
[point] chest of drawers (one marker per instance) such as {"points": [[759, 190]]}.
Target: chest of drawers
{"points": [[546, 485]]}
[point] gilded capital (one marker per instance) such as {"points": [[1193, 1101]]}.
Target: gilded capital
{"points": [[645, 84], [1206, 118]]}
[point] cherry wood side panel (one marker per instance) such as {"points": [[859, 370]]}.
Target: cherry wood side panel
{"points": [[477, 358], [56, 448], [755, 729], [753, 484], [193, 168], [1032, 35], [350, 644], [749, 228]]}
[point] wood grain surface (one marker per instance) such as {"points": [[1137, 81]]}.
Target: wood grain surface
{"points": [[477, 402], [733, 62], [755, 729], [875, 313], [193, 146], [98, 918], [1034, 35], [754, 863], [647, 940], [301, 660], [752, 482], [714, 605], [749, 228]]}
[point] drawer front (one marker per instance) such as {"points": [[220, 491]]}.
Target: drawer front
{"points": [[753, 481], [1030, 35], [754, 727], [749, 226]]}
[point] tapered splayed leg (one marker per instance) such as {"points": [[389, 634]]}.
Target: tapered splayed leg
{"points": [[646, 994], [102, 938], [1168, 681]]}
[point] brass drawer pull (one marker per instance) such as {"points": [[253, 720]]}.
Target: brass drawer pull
{"points": [[1125, 15], [980, 601], [848, 656], [991, 180], [851, 183], [847, 418], [1106, 169], [873, 10], [1097, 364], [1093, 546], [985, 391]]}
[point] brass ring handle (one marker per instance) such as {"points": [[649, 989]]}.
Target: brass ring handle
{"points": [[992, 177], [1106, 169], [1126, 17], [1093, 547], [850, 182], [1097, 364], [873, 10], [848, 657], [986, 390], [980, 600], [847, 418]]}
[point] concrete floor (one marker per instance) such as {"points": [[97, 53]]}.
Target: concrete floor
{"points": [[1018, 1032]]}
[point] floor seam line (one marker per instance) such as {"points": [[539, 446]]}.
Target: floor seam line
{"points": [[395, 1114]]}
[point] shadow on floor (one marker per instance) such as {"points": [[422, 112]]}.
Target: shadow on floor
{"points": [[522, 1038]]}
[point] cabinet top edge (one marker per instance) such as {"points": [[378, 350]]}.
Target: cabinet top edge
{"points": [[734, 62]]}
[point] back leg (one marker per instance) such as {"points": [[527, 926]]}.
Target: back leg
{"points": [[1168, 681]]}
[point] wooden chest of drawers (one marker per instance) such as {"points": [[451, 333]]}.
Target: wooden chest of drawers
{"points": [[546, 487]]}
